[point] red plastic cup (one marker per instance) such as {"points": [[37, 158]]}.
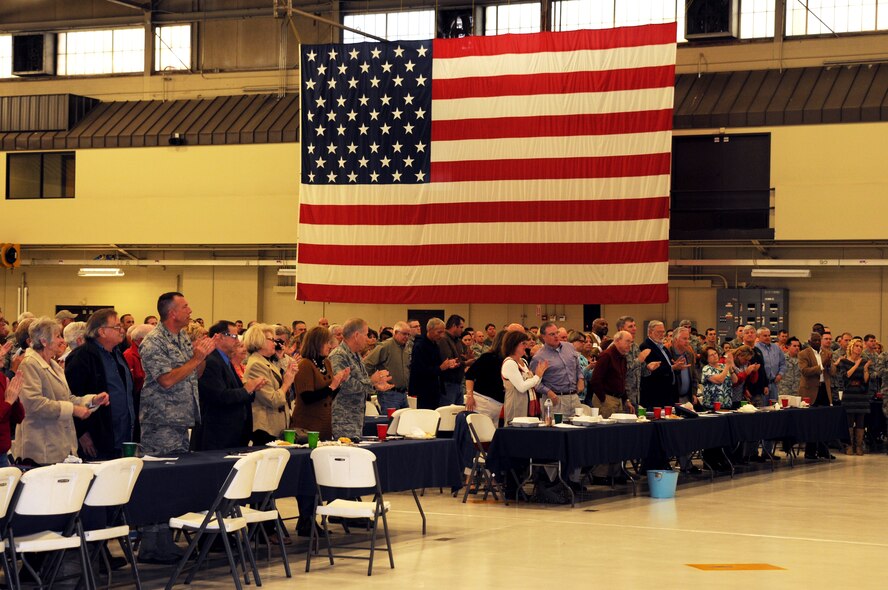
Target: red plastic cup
{"points": [[784, 401], [667, 410], [657, 413], [716, 406], [807, 400], [381, 431], [390, 411]]}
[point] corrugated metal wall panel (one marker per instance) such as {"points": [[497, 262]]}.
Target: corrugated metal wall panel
{"points": [[839, 97], [46, 112], [812, 112], [273, 127], [739, 113]]}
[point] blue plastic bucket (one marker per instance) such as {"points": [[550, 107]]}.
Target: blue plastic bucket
{"points": [[662, 483]]}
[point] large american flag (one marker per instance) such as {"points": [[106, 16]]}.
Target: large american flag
{"points": [[499, 169]]}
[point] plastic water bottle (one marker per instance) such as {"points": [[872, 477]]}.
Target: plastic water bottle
{"points": [[547, 412]]}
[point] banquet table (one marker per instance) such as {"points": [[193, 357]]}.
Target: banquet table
{"points": [[615, 443], [192, 481]]}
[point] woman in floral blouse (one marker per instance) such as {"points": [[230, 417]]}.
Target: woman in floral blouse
{"points": [[718, 380]]}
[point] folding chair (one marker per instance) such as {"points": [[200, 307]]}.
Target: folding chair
{"points": [[9, 479], [223, 518], [396, 419], [53, 490], [370, 409], [448, 416], [425, 420], [349, 468], [268, 477], [111, 489], [481, 429]]}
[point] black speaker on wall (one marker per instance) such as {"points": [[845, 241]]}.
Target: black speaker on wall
{"points": [[712, 19]]}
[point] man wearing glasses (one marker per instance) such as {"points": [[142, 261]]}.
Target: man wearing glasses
{"points": [[392, 356], [225, 401], [98, 366], [563, 381]]}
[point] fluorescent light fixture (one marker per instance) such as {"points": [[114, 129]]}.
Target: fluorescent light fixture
{"points": [[100, 272], [782, 273], [286, 272]]}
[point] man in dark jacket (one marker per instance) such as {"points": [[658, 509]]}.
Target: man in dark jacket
{"points": [[427, 366], [98, 366], [225, 402], [658, 389]]}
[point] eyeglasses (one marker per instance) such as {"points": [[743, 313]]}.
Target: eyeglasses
{"points": [[118, 327], [228, 334]]}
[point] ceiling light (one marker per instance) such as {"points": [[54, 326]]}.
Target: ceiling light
{"points": [[100, 272], [782, 273], [286, 272]]}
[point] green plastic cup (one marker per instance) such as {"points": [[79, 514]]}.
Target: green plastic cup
{"points": [[130, 448], [641, 412], [313, 439], [559, 417], [290, 436], [744, 403]]}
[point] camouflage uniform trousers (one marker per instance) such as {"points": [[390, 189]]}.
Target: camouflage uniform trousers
{"points": [[160, 439]]}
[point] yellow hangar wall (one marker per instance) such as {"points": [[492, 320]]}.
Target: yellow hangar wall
{"points": [[169, 195], [830, 182]]}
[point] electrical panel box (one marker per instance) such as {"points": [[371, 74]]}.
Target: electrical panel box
{"points": [[759, 307]]}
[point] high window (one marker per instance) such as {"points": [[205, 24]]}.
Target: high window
{"points": [[41, 175], [512, 18], [394, 26]]}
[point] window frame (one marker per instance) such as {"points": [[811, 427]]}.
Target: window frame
{"points": [[386, 14], [156, 49], [64, 155]]}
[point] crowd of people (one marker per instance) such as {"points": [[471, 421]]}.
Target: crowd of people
{"points": [[81, 389]]}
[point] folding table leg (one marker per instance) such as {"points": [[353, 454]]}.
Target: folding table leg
{"points": [[421, 513]]}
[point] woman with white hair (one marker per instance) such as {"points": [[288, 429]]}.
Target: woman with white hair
{"points": [[47, 432], [270, 411]]}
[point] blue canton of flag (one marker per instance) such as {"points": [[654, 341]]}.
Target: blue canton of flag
{"points": [[366, 113]]}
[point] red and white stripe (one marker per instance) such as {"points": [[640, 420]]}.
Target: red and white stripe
{"points": [[550, 168]]}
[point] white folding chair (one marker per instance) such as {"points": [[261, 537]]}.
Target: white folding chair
{"points": [[448, 416], [269, 471], [9, 479], [348, 468], [53, 490], [111, 489], [396, 419], [370, 409], [411, 402], [425, 420], [482, 430], [222, 519]]}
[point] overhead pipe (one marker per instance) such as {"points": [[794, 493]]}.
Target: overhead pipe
{"points": [[772, 262]]}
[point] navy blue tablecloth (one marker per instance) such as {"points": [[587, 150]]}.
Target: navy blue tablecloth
{"points": [[573, 447], [821, 424], [680, 437], [192, 482], [662, 438]]}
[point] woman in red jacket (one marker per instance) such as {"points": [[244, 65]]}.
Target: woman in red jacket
{"points": [[11, 413]]}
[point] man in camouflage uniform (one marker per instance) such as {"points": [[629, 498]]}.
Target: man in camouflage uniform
{"points": [[789, 385], [635, 365], [349, 404], [169, 403], [870, 354], [881, 369]]}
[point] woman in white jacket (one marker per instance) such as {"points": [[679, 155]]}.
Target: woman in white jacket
{"points": [[518, 379]]}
